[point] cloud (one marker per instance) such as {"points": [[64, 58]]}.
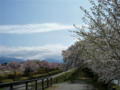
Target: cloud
{"points": [[33, 28], [39, 52]]}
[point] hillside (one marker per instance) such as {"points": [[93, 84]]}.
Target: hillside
{"points": [[8, 59]]}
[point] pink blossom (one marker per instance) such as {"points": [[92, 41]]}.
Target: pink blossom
{"points": [[30, 66], [45, 64], [13, 65]]}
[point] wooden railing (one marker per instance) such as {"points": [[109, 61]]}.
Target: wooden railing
{"points": [[33, 84], [39, 83], [42, 82]]}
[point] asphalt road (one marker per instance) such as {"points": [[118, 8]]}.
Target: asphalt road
{"points": [[81, 85]]}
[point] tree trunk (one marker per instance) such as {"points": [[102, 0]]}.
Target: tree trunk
{"points": [[14, 73]]}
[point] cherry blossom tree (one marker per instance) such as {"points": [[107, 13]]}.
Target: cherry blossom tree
{"points": [[58, 65], [13, 66], [4, 69], [45, 64], [53, 65], [38, 62], [99, 45], [29, 66]]}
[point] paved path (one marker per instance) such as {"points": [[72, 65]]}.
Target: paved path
{"points": [[80, 85]]}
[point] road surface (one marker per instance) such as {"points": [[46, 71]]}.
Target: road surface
{"points": [[80, 85]]}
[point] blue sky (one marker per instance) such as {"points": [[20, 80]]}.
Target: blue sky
{"points": [[38, 29]]}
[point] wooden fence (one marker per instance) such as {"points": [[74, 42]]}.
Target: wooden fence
{"points": [[32, 84]]}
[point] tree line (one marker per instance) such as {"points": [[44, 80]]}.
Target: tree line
{"points": [[28, 66], [98, 47]]}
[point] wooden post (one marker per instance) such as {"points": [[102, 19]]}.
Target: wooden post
{"points": [[56, 80], [11, 86], [51, 81], [35, 84], [47, 82], [42, 84], [65, 78], [26, 85]]}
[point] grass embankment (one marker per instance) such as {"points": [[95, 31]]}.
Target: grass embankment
{"points": [[64, 77], [115, 86], [52, 88], [81, 75], [20, 76]]}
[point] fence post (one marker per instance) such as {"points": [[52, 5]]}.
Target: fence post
{"points": [[11, 86], [56, 80], [65, 78], [51, 81], [47, 82], [42, 84], [35, 84], [26, 85]]}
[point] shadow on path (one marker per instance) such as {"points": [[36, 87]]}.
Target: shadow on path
{"points": [[76, 82], [81, 85]]}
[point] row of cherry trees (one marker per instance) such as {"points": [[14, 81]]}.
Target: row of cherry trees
{"points": [[98, 47], [28, 66]]}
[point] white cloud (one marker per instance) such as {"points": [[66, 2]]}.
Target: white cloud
{"points": [[75, 39], [33, 28], [39, 52]]}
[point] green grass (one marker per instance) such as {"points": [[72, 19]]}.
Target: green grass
{"points": [[83, 76], [52, 88], [80, 75], [64, 77], [115, 86]]}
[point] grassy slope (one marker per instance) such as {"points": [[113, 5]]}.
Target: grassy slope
{"points": [[79, 75], [82, 76]]}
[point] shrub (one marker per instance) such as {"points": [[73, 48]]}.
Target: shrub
{"points": [[23, 78], [6, 81]]}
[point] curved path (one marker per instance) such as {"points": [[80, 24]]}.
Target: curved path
{"points": [[80, 85]]}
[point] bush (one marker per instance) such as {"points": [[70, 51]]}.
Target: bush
{"points": [[6, 81], [23, 78], [95, 76], [11, 76], [2, 77]]}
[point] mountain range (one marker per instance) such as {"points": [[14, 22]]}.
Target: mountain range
{"points": [[8, 59]]}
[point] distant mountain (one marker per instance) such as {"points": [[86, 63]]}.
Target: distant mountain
{"points": [[54, 60], [8, 59]]}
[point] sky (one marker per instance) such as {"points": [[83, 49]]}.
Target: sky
{"points": [[38, 29]]}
